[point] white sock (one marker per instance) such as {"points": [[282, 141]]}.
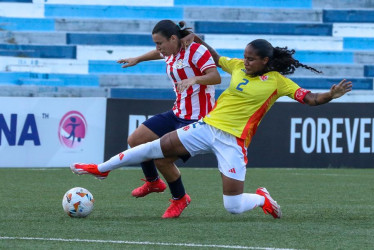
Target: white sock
{"points": [[132, 156], [237, 204]]}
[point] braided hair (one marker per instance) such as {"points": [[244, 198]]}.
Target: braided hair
{"points": [[280, 59], [167, 28]]}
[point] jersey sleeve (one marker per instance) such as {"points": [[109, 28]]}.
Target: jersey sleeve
{"points": [[229, 64], [201, 57], [289, 88]]}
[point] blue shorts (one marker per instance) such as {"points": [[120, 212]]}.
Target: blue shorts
{"points": [[166, 122]]}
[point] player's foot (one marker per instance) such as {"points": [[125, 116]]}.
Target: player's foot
{"points": [[176, 207], [270, 206], [82, 168], [148, 187]]}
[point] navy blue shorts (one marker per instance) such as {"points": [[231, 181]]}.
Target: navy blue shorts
{"points": [[166, 122]]}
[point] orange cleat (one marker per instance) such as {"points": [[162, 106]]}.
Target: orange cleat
{"points": [[176, 207], [270, 206], [148, 187], [82, 168]]}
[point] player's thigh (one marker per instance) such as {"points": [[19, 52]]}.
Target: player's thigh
{"points": [[231, 186], [171, 145], [141, 135]]}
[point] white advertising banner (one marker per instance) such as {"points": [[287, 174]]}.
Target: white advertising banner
{"points": [[51, 132]]}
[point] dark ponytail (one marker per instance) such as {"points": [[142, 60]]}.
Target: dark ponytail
{"points": [[280, 59], [167, 28]]}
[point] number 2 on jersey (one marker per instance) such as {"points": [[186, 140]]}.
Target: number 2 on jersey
{"points": [[241, 84]]}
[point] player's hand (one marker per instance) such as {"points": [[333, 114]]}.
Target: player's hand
{"points": [[338, 90], [185, 84], [187, 40], [128, 62]]}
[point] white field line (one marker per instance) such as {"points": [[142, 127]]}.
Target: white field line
{"points": [[140, 243]]}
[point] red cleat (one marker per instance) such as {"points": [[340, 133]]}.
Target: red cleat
{"points": [[270, 206], [148, 187], [82, 168], [176, 207]]}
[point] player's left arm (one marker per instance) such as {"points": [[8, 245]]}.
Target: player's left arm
{"points": [[336, 91], [209, 77]]}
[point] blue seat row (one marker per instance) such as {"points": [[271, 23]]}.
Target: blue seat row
{"points": [[104, 11], [110, 39], [369, 71], [25, 78], [306, 4], [264, 28], [25, 24], [347, 16], [42, 51]]}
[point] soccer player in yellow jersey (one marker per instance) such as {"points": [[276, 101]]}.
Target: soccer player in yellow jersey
{"points": [[256, 82]]}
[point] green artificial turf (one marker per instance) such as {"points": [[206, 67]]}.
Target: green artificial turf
{"points": [[322, 209]]}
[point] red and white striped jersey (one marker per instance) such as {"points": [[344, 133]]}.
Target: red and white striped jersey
{"points": [[196, 101]]}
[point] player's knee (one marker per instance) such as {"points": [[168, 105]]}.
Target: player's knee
{"points": [[131, 140], [233, 203]]}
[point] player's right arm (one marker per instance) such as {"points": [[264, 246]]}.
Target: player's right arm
{"points": [[149, 56]]}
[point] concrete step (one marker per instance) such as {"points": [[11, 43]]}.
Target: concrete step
{"points": [[353, 29], [253, 15], [364, 57], [343, 4], [41, 65], [300, 4], [108, 25], [33, 37], [30, 9], [332, 70], [110, 12], [314, 43], [109, 39], [51, 91], [155, 3]]}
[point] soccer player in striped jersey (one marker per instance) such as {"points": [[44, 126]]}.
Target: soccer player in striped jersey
{"points": [[193, 73], [257, 81]]}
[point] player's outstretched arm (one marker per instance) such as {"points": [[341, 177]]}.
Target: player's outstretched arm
{"points": [[187, 40], [149, 56], [336, 91]]}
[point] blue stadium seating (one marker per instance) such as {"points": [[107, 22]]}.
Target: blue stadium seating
{"points": [[264, 28], [17, 1], [345, 16], [357, 43], [369, 70], [31, 24], [325, 83], [72, 29], [20, 78], [126, 12], [247, 3], [157, 67], [110, 39], [44, 51]]}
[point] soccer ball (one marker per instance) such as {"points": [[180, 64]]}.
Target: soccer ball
{"points": [[78, 202]]}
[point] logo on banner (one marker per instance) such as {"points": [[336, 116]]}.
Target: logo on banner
{"points": [[72, 129]]}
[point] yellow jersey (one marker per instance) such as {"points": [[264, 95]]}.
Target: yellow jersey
{"points": [[241, 107]]}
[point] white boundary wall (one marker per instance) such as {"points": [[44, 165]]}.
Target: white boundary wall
{"points": [[30, 130]]}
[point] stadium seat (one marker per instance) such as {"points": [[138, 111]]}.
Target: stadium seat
{"points": [[73, 46]]}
